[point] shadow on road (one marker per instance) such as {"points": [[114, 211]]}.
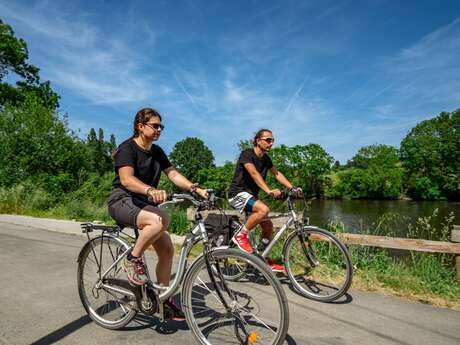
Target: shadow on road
{"points": [[144, 321], [345, 299], [64, 331], [139, 322]]}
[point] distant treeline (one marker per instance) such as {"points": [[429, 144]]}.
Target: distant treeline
{"points": [[47, 163]]}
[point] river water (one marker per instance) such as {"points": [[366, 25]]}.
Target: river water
{"points": [[358, 215]]}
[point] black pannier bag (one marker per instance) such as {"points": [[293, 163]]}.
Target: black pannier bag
{"points": [[220, 228]]}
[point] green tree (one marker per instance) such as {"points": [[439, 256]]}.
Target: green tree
{"points": [[374, 172], [191, 155], [13, 59], [430, 153], [217, 177], [245, 144], [374, 155], [100, 151], [35, 140], [304, 165]]}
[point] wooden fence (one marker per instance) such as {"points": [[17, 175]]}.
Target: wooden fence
{"points": [[452, 247]]}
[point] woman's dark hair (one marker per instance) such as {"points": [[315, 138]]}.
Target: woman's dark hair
{"points": [[259, 135], [143, 116]]}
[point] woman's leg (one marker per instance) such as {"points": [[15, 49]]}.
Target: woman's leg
{"points": [[165, 252], [152, 222]]}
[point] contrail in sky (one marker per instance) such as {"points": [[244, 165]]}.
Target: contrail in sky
{"points": [[189, 96], [293, 98]]}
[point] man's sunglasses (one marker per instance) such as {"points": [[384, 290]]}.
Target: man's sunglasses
{"points": [[268, 140], [156, 126]]}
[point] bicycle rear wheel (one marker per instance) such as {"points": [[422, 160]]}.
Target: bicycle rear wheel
{"points": [[108, 308], [258, 310], [318, 264]]}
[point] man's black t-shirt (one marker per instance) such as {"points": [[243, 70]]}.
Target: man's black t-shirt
{"points": [[147, 164], [242, 180]]}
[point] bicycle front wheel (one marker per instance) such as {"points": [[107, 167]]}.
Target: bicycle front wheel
{"points": [[257, 310], [107, 307], [318, 264]]}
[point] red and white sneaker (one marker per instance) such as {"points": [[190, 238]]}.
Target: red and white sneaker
{"points": [[242, 241], [274, 266]]}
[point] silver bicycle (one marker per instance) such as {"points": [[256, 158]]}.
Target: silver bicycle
{"points": [[252, 310], [318, 265]]}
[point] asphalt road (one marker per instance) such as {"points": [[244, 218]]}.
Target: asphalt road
{"points": [[40, 305]]}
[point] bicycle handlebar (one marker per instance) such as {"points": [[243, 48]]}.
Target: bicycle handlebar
{"points": [[292, 194], [174, 198]]}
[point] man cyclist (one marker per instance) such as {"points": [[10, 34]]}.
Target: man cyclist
{"points": [[249, 177]]}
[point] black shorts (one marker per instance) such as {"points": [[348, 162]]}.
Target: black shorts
{"points": [[124, 207]]}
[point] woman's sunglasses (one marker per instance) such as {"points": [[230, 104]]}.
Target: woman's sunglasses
{"points": [[268, 140], [156, 126]]}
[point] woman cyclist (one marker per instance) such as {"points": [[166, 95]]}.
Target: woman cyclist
{"points": [[138, 166]]}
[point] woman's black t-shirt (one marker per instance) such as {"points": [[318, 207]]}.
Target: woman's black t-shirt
{"points": [[147, 164], [242, 180]]}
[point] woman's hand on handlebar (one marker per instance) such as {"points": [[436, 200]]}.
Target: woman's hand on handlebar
{"points": [[203, 193], [157, 196], [275, 193]]}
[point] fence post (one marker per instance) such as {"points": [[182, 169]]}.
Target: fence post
{"points": [[456, 238]]}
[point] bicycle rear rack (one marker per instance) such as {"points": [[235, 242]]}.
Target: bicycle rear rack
{"points": [[89, 227]]}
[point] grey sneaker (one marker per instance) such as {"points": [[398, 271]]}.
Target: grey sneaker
{"points": [[135, 270]]}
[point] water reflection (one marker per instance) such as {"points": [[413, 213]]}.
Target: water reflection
{"points": [[358, 215]]}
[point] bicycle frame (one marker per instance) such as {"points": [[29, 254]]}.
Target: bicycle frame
{"points": [[197, 234], [292, 219]]}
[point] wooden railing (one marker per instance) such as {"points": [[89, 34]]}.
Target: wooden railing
{"points": [[452, 247]]}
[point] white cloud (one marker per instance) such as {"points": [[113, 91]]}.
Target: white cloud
{"points": [[77, 56]]}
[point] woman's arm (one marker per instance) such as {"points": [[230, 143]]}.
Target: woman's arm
{"points": [[178, 179], [182, 182], [131, 182]]}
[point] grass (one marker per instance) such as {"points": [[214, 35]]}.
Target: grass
{"points": [[425, 277]]}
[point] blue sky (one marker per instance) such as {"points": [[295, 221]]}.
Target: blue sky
{"points": [[343, 74]]}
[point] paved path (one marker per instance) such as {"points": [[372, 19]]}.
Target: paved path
{"points": [[40, 303]]}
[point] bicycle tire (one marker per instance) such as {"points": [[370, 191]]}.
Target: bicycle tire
{"points": [[108, 309], [259, 303], [231, 271], [330, 277]]}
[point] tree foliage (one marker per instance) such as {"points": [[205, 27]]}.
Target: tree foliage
{"points": [[374, 172], [13, 59], [100, 151], [305, 166], [34, 140], [430, 153], [217, 177], [190, 155]]}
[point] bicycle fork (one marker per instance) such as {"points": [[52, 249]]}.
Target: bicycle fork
{"points": [[232, 308], [306, 247]]}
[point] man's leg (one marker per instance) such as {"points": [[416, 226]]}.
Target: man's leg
{"points": [[267, 231], [258, 212]]}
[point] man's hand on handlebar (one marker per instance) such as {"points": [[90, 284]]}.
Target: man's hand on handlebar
{"points": [[296, 192]]}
